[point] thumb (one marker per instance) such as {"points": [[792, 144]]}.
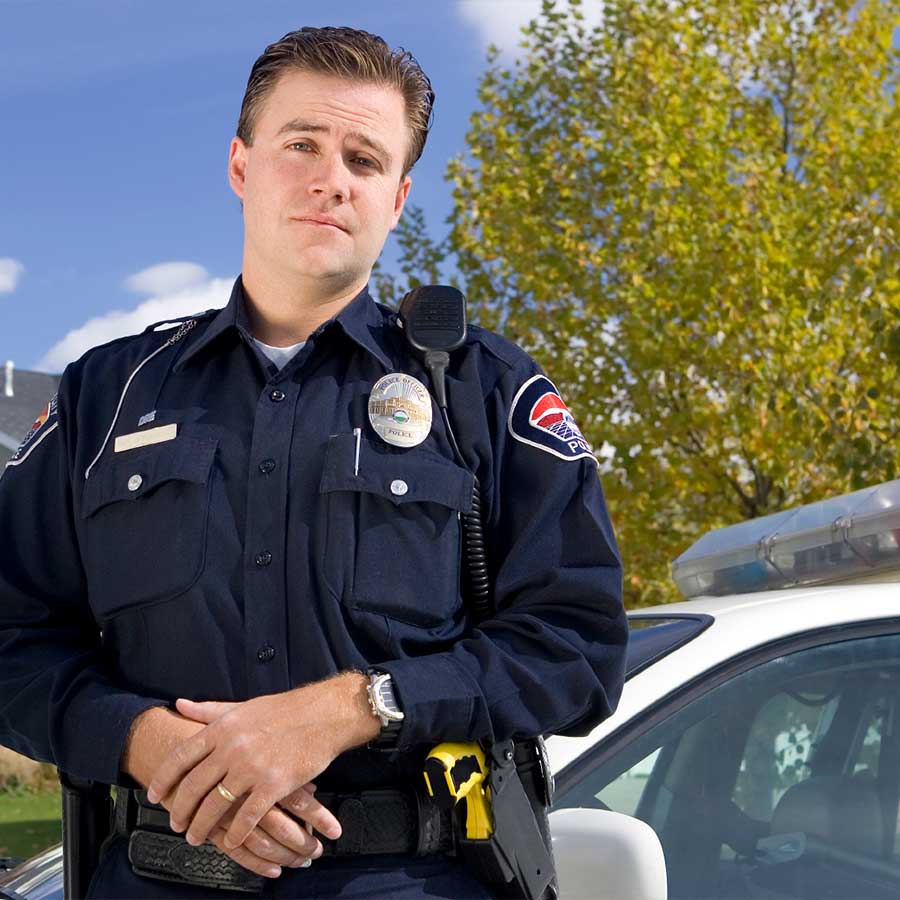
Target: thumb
{"points": [[205, 712]]}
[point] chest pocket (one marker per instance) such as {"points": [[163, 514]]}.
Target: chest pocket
{"points": [[392, 532], [144, 523]]}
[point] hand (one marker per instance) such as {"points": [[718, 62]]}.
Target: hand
{"points": [[262, 750], [274, 843], [279, 840]]}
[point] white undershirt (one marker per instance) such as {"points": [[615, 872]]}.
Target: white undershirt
{"points": [[280, 356]]}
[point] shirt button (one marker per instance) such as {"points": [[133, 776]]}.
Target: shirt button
{"points": [[266, 466], [399, 487], [266, 653], [277, 396], [135, 482], [264, 558]]}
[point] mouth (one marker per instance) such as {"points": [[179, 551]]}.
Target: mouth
{"points": [[321, 222]]}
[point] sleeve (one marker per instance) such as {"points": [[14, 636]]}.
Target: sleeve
{"points": [[58, 701], [552, 657]]}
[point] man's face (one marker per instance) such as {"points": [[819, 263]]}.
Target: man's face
{"points": [[321, 183]]}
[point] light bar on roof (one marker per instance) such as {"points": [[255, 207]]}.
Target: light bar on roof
{"points": [[841, 539]]}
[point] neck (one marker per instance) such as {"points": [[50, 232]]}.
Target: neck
{"points": [[282, 314]]}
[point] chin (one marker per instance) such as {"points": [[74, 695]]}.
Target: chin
{"points": [[335, 276], [323, 262]]}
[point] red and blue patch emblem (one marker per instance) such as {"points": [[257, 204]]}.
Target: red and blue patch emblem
{"points": [[45, 423], [539, 417]]}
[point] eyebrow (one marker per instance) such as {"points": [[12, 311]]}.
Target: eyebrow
{"points": [[298, 125]]}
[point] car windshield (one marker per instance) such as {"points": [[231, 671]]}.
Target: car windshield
{"points": [[653, 637]]}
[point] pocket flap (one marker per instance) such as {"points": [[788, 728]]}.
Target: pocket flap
{"points": [[131, 474], [407, 476]]}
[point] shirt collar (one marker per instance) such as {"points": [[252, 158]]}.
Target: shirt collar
{"points": [[361, 320]]}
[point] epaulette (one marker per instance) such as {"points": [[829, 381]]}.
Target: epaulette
{"points": [[165, 324]]}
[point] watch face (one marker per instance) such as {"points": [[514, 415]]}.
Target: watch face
{"points": [[385, 702], [381, 699], [386, 695]]}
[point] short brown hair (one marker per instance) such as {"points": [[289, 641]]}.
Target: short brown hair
{"points": [[346, 53]]}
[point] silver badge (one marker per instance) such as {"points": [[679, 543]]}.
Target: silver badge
{"points": [[400, 409]]}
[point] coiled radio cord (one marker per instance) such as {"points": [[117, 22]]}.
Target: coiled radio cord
{"points": [[475, 547]]}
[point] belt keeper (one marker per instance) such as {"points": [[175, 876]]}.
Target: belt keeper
{"points": [[432, 836], [352, 816]]}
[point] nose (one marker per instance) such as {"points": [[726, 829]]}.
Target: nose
{"points": [[330, 178]]}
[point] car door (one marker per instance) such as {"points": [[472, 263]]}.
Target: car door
{"points": [[776, 776]]}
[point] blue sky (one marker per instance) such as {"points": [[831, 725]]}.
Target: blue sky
{"points": [[115, 119]]}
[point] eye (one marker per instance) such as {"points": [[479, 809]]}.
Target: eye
{"points": [[299, 144], [365, 162]]}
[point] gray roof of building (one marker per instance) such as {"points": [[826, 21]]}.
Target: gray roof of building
{"points": [[31, 391]]}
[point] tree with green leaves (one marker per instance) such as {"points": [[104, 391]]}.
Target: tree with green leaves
{"points": [[689, 214]]}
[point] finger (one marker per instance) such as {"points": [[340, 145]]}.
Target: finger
{"points": [[208, 814], [267, 848], [248, 816], [289, 832], [244, 857], [303, 804], [177, 764], [292, 843], [206, 711], [192, 791]]}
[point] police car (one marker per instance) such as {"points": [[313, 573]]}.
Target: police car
{"points": [[756, 750]]}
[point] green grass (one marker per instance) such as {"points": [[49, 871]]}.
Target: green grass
{"points": [[29, 821]]}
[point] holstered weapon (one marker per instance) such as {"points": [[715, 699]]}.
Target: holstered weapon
{"points": [[87, 820], [516, 861]]}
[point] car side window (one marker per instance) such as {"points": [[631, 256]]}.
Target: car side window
{"points": [[782, 781], [624, 793]]}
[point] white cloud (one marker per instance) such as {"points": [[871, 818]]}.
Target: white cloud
{"points": [[166, 278], [213, 292], [10, 272], [500, 22]]}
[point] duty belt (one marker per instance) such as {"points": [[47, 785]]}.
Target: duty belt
{"points": [[384, 820]]}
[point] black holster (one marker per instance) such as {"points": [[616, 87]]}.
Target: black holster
{"points": [[87, 821], [517, 860]]}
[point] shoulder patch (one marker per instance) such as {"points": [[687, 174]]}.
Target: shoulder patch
{"points": [[539, 417], [43, 425]]}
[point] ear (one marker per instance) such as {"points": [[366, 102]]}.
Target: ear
{"points": [[400, 199], [237, 166]]}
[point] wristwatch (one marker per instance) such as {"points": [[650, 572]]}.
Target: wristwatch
{"points": [[384, 705]]}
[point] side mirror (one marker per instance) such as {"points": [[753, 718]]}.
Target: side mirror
{"points": [[604, 855]]}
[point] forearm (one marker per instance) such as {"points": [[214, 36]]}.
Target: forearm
{"points": [[499, 685], [343, 702], [59, 703], [552, 662], [154, 734]]}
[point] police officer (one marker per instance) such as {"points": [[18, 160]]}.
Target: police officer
{"points": [[231, 544]]}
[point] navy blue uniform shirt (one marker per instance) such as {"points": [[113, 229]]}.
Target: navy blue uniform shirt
{"points": [[242, 554]]}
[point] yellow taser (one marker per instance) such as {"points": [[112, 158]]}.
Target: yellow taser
{"points": [[454, 772]]}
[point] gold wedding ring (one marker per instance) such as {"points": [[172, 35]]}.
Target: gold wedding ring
{"points": [[225, 792]]}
